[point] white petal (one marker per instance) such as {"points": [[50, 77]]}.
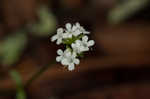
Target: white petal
{"points": [[64, 62], [77, 32], [86, 32], [69, 35], [67, 51], [91, 43], [78, 25], [85, 49], [68, 54], [59, 41], [68, 26], [82, 48], [60, 30], [73, 45], [65, 35], [85, 38], [74, 54], [58, 58], [54, 38], [71, 67], [76, 61], [75, 48], [74, 28], [78, 42], [59, 52]]}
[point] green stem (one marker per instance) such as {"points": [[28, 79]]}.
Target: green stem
{"points": [[34, 77], [37, 74]]}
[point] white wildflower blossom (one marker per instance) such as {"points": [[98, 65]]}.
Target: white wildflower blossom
{"points": [[86, 44], [58, 36], [70, 60], [82, 46], [62, 55], [77, 46], [81, 29], [76, 42], [71, 30]]}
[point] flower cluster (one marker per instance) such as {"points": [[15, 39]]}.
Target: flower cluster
{"points": [[75, 39]]}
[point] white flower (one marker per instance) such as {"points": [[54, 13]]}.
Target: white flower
{"points": [[86, 44], [70, 60], [71, 31], [67, 58], [81, 46], [76, 42], [62, 55], [81, 29], [58, 36], [77, 46]]}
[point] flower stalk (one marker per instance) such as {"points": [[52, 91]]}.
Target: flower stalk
{"points": [[38, 74]]}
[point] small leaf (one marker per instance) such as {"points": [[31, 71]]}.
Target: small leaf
{"points": [[12, 47], [69, 41], [125, 10], [47, 23]]}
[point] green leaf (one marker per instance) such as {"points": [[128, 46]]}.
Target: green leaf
{"points": [[125, 10], [46, 23], [69, 41], [12, 47]]}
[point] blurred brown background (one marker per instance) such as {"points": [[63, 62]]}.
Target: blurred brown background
{"points": [[118, 67]]}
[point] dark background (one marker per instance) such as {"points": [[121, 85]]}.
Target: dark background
{"points": [[117, 67]]}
